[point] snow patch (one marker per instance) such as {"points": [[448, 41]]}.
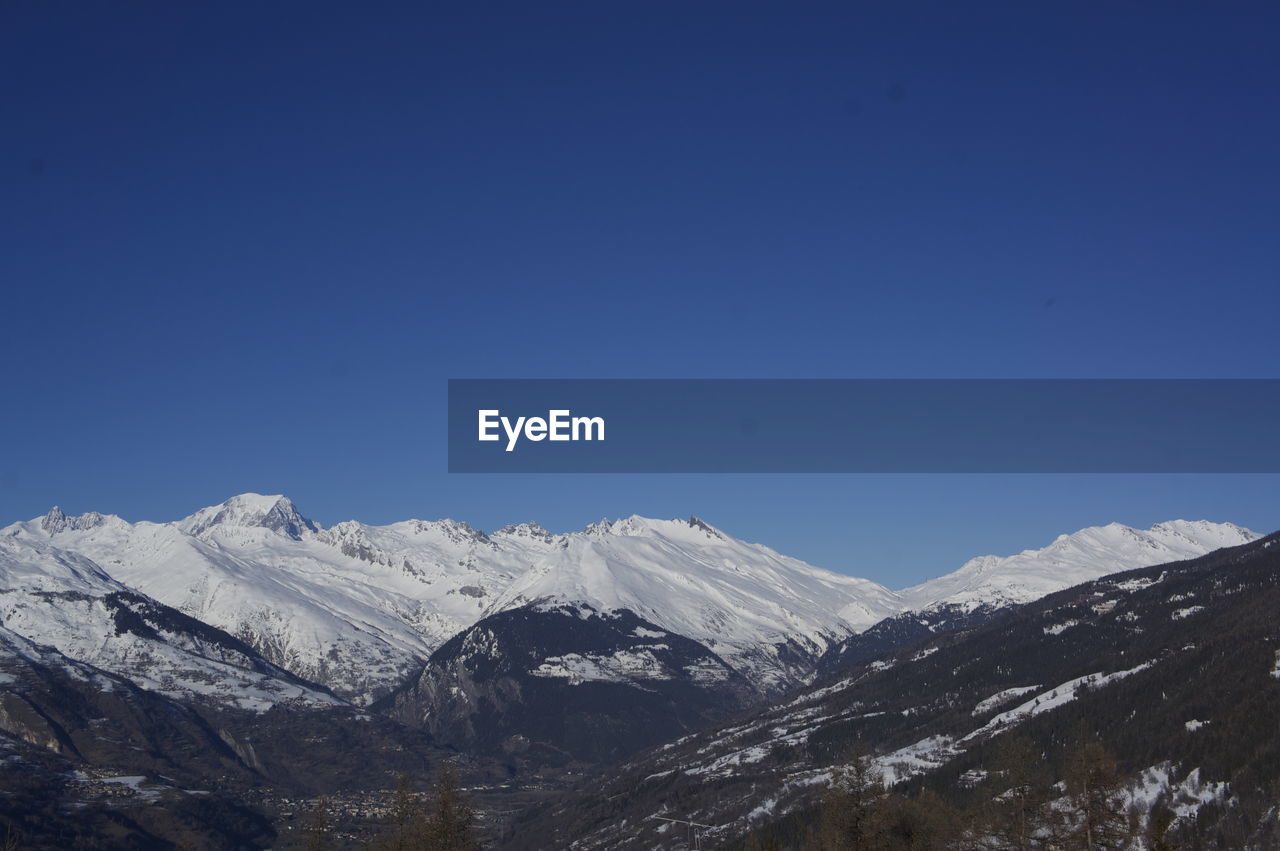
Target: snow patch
{"points": [[1185, 797], [1052, 699], [619, 667], [1136, 584], [1000, 698], [924, 755]]}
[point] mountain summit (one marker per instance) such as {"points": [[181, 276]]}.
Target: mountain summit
{"points": [[276, 513]]}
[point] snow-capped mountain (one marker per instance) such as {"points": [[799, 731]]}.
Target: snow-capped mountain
{"points": [[766, 614], [544, 653], [984, 586], [360, 608], [66, 601], [355, 608], [1070, 560]]}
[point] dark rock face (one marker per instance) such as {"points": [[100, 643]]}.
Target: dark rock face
{"points": [[284, 519], [899, 631], [543, 685], [57, 521]]}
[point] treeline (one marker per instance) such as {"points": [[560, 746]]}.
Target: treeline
{"points": [[1027, 800]]}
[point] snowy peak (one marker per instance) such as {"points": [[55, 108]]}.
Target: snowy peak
{"points": [[1072, 559], [601, 527], [637, 526], [276, 513], [1200, 532], [56, 521], [456, 531], [633, 526], [285, 519], [531, 531]]}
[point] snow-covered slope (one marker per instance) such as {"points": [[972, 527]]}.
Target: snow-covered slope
{"points": [[359, 608], [66, 601], [766, 614], [355, 608], [1070, 560]]}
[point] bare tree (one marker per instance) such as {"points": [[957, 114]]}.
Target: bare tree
{"points": [[1095, 817], [450, 822], [1017, 787], [850, 816], [319, 829], [407, 829]]}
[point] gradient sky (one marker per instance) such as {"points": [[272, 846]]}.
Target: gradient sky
{"points": [[243, 247]]}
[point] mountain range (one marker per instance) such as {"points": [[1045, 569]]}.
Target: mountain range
{"points": [[530, 654], [358, 608]]}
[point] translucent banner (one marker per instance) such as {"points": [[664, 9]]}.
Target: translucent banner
{"points": [[864, 426]]}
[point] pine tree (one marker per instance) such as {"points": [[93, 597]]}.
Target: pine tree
{"points": [[923, 823], [1159, 819]]}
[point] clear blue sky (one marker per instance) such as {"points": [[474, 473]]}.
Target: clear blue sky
{"points": [[243, 247]]}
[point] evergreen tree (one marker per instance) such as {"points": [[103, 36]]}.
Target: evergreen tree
{"points": [[1159, 820], [923, 823]]}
